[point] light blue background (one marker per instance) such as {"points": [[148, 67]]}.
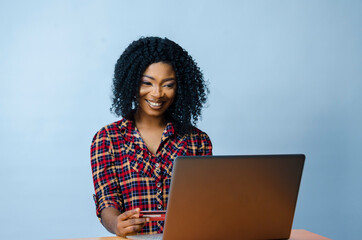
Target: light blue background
{"points": [[285, 77]]}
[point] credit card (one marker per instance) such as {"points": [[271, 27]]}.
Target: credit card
{"points": [[153, 215]]}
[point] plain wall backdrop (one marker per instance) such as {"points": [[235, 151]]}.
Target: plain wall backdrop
{"points": [[284, 77]]}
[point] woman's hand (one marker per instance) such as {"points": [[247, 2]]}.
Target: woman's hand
{"points": [[122, 224], [129, 223]]}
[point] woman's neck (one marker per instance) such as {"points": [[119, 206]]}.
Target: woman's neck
{"points": [[149, 122]]}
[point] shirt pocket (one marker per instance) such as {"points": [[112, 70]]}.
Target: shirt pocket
{"points": [[143, 168]]}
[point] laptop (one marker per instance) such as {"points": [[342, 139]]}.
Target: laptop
{"points": [[232, 197]]}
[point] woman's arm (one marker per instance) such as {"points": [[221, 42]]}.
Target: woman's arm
{"points": [[106, 182], [108, 196]]}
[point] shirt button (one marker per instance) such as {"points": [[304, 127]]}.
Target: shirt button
{"points": [[159, 191], [158, 185], [158, 170], [159, 206], [157, 165]]}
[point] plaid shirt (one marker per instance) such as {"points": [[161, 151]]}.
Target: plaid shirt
{"points": [[127, 175]]}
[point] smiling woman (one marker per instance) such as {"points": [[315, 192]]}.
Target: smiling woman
{"points": [[159, 91], [156, 94]]}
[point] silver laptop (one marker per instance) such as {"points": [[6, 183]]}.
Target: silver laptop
{"points": [[232, 197]]}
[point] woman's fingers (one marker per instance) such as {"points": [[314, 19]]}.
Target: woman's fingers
{"points": [[133, 229], [134, 221], [128, 214]]}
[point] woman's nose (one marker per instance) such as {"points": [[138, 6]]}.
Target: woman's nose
{"points": [[157, 92]]}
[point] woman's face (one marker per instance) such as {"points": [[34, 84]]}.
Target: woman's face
{"points": [[157, 89]]}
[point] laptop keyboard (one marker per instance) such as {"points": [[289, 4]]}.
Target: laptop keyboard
{"points": [[146, 237]]}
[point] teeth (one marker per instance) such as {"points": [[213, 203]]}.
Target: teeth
{"points": [[153, 104]]}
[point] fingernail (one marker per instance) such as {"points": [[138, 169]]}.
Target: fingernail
{"points": [[147, 219]]}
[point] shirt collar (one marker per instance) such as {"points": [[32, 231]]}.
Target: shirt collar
{"points": [[128, 128]]}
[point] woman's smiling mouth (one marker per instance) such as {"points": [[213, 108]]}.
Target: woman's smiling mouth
{"points": [[154, 105]]}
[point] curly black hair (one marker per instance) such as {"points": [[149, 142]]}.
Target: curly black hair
{"points": [[191, 88]]}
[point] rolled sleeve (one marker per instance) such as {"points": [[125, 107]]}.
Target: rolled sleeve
{"points": [[106, 185]]}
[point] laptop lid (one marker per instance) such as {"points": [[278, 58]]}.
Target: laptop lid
{"points": [[233, 197]]}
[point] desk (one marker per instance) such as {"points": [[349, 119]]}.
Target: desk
{"points": [[297, 234]]}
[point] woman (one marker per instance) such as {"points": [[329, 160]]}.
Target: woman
{"points": [[159, 91]]}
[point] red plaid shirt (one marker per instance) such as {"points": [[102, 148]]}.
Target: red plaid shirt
{"points": [[127, 175]]}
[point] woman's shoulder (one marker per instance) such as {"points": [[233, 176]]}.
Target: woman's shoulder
{"points": [[199, 142], [198, 134], [113, 128]]}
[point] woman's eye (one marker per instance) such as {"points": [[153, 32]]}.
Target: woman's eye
{"points": [[169, 85], [146, 83]]}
